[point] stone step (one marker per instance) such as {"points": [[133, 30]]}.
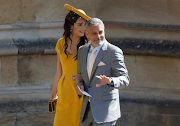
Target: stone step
{"points": [[27, 119]]}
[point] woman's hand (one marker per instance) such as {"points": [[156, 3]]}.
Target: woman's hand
{"points": [[53, 95], [78, 91], [77, 78]]}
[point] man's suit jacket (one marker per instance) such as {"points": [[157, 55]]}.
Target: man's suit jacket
{"points": [[105, 105]]}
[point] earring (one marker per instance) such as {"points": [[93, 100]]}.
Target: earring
{"points": [[70, 30]]}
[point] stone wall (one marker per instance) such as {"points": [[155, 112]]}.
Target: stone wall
{"points": [[146, 31], [137, 11], [152, 97]]}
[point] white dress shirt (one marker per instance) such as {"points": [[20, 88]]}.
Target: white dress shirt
{"points": [[89, 53]]}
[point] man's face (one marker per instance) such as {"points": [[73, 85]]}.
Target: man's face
{"points": [[96, 35]]}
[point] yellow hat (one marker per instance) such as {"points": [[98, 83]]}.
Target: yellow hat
{"points": [[77, 11]]}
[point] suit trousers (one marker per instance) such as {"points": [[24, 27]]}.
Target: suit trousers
{"points": [[88, 119]]}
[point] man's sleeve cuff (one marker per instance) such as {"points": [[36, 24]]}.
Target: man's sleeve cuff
{"points": [[111, 84]]}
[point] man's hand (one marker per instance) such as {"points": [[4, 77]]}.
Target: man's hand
{"points": [[104, 80], [77, 78], [78, 91]]}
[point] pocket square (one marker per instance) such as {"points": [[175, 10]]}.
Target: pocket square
{"points": [[101, 63]]}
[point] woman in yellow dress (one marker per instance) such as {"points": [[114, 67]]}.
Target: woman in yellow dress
{"points": [[68, 106]]}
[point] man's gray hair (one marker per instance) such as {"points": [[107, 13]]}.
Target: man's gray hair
{"points": [[94, 22]]}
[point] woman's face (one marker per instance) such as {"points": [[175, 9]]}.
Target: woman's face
{"points": [[79, 27]]}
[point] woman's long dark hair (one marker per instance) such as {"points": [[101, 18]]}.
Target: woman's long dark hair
{"points": [[70, 19]]}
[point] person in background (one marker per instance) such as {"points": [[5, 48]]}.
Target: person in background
{"points": [[68, 106]]}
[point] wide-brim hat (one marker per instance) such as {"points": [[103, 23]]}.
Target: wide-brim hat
{"points": [[77, 11]]}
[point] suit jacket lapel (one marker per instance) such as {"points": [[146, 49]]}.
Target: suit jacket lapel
{"points": [[99, 57], [84, 58]]}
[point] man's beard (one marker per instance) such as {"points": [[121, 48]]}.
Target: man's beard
{"points": [[99, 43]]}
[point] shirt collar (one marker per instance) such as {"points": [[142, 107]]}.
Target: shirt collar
{"points": [[97, 48]]}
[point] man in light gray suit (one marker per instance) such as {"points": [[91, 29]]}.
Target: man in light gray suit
{"points": [[102, 67]]}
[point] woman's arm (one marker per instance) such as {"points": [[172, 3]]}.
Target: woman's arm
{"points": [[56, 78]]}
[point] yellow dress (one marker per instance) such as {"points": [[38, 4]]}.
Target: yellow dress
{"points": [[68, 106]]}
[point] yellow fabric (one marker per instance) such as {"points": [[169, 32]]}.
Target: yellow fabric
{"points": [[68, 106]]}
